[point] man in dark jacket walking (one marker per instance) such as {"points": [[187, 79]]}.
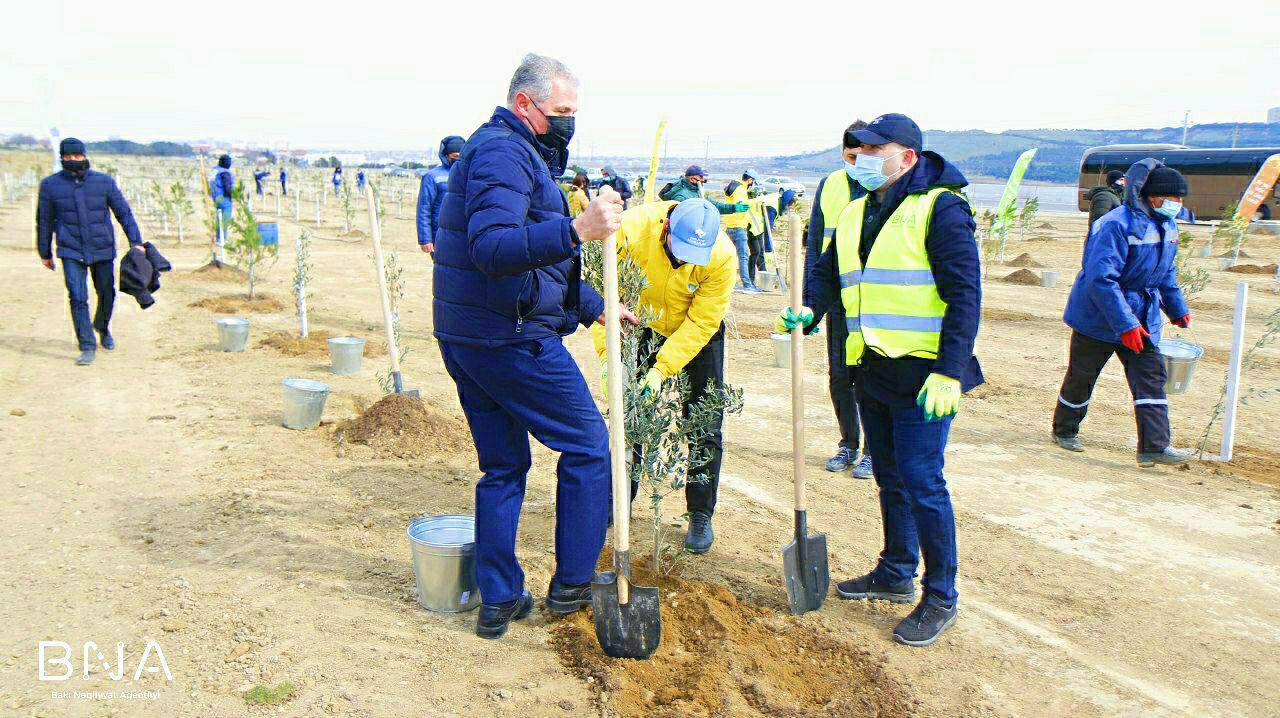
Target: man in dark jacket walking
{"points": [[1127, 278], [431, 192], [1104, 198], [904, 265], [690, 186], [507, 286], [618, 184], [76, 205]]}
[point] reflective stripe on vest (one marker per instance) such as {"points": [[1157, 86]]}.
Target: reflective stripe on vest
{"points": [[892, 304], [835, 197]]}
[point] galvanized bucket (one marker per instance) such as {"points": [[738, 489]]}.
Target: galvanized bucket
{"points": [[1180, 358], [233, 333], [444, 562], [781, 350], [1226, 262], [768, 281], [303, 402], [1048, 278], [345, 354]]}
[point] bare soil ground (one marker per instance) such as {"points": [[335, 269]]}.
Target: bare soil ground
{"points": [[155, 495]]}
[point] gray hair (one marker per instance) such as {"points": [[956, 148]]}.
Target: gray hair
{"points": [[534, 77]]}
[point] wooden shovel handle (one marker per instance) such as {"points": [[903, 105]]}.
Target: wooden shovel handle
{"points": [[376, 232], [617, 438], [795, 252]]}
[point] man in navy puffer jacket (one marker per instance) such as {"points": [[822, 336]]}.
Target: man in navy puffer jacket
{"points": [[76, 205], [507, 285]]}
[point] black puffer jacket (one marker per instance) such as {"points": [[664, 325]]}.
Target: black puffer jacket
{"points": [[1102, 200], [78, 210]]}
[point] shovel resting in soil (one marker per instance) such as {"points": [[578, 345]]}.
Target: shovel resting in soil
{"points": [[627, 617], [392, 349], [804, 560]]}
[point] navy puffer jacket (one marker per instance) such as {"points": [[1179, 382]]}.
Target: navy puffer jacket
{"points": [[507, 265], [78, 210]]}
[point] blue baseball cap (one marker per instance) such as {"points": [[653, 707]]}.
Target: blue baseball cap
{"points": [[892, 127], [694, 171], [695, 223]]}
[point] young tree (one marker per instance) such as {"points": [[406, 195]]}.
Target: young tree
{"points": [[395, 292], [302, 273], [1029, 210], [1192, 280], [180, 203], [245, 246], [162, 204]]}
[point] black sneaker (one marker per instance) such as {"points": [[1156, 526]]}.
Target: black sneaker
{"points": [[107, 342], [923, 625], [1070, 443], [869, 587], [843, 459], [564, 598], [494, 619], [1168, 457], [700, 536]]}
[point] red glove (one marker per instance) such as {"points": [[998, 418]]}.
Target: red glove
{"points": [[1183, 322], [1133, 338]]}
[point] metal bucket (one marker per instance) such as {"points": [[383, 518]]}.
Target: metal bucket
{"points": [[303, 402], [768, 281], [345, 354], [444, 562], [1048, 278], [233, 333], [1226, 262], [781, 350], [1180, 358]]}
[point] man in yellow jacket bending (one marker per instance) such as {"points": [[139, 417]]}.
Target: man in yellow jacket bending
{"points": [[691, 268]]}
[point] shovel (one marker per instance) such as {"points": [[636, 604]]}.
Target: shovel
{"points": [[628, 620], [392, 349], [804, 560]]}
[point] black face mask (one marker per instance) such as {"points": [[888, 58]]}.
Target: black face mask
{"points": [[76, 167], [559, 132]]}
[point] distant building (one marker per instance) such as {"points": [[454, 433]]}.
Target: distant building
{"points": [[1273, 115]]}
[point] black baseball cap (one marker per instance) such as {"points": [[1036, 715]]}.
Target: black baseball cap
{"points": [[893, 127], [694, 171]]}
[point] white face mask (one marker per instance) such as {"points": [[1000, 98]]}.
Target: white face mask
{"points": [[868, 171]]}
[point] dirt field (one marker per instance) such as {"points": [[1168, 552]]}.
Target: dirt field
{"points": [[155, 495]]}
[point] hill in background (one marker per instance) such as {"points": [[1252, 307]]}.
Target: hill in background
{"points": [[992, 154]]}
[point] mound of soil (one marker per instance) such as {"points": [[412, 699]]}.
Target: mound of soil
{"points": [[1231, 253], [239, 304], [1040, 238], [1201, 305], [1023, 276], [213, 273], [316, 344], [355, 233], [721, 657], [1023, 260], [1253, 268], [1006, 315], [402, 426]]}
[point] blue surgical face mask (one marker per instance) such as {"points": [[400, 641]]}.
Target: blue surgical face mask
{"points": [[1170, 208], [868, 171], [849, 170]]}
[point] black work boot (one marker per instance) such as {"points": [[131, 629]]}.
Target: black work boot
{"points": [[1070, 443], [1169, 457], [564, 598], [700, 536], [923, 625], [495, 618], [870, 587]]}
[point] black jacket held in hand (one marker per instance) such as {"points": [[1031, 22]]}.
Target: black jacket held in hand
{"points": [[140, 273]]}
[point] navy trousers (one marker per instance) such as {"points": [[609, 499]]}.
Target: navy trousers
{"points": [[76, 275], [1146, 374], [507, 393], [915, 506]]}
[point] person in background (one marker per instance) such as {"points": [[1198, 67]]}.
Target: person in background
{"points": [[337, 180], [1104, 198], [507, 288], [690, 186], [579, 194], [835, 192], [618, 184], [690, 267], [736, 193], [360, 179], [284, 181], [222, 187], [765, 209], [76, 205], [257, 181], [1127, 278], [431, 191], [904, 263]]}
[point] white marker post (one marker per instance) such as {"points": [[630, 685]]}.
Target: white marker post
{"points": [[1233, 371], [317, 209], [297, 208]]}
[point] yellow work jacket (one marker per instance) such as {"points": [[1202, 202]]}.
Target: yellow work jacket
{"points": [[689, 301], [737, 219]]}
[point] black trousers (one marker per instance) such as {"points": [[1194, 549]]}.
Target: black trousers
{"points": [[1145, 372], [840, 381], [755, 255], [703, 481]]}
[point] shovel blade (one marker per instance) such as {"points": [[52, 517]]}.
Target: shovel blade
{"points": [[412, 392], [805, 570], [630, 630]]}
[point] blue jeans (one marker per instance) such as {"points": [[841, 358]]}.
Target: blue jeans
{"points": [[739, 237], [508, 392], [915, 506], [76, 274]]}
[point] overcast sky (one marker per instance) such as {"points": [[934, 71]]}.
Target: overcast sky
{"points": [[769, 78]]}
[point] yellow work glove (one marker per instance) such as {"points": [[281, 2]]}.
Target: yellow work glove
{"points": [[788, 320], [940, 397], [652, 383]]}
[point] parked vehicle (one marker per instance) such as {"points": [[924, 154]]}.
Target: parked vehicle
{"points": [[778, 184]]}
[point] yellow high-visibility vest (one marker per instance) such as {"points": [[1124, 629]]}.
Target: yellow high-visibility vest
{"points": [[892, 304], [835, 197]]}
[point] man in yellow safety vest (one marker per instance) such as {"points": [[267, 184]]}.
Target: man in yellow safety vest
{"points": [[904, 265]]}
